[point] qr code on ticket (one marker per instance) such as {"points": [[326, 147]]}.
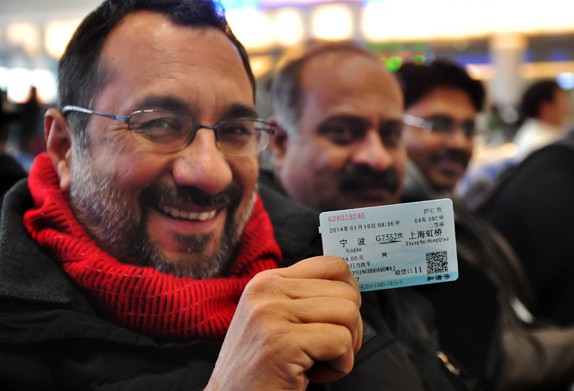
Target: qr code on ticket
{"points": [[437, 262]]}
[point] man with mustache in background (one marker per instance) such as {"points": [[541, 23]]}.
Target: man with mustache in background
{"points": [[442, 103], [338, 118], [440, 119]]}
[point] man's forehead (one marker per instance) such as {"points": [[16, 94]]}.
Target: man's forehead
{"points": [[147, 32], [347, 72], [338, 62], [375, 95], [445, 96], [147, 52]]}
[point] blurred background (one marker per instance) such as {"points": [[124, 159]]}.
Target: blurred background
{"points": [[505, 43]]}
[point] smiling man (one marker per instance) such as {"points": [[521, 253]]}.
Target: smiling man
{"points": [[138, 255], [488, 317], [440, 120], [148, 186]]}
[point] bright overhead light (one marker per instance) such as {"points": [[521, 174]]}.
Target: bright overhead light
{"points": [[57, 36], [18, 81], [332, 22], [566, 80], [395, 20], [25, 35], [288, 26], [252, 27]]}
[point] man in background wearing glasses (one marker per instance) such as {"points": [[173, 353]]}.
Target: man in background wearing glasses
{"points": [[442, 103]]}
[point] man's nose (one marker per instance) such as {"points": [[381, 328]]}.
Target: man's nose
{"points": [[202, 164], [458, 138], [372, 152]]}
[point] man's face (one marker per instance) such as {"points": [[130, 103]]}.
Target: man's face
{"points": [[347, 150], [560, 108], [441, 157], [181, 212]]}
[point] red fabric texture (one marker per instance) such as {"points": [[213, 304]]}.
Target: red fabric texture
{"points": [[141, 298]]}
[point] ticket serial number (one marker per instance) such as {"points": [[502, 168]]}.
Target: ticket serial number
{"points": [[346, 217]]}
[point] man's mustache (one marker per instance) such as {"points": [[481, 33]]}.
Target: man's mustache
{"points": [[452, 155], [364, 177], [161, 194]]}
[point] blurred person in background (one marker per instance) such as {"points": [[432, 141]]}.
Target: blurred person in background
{"points": [[546, 110], [545, 117], [27, 139], [11, 171], [442, 103], [338, 144]]}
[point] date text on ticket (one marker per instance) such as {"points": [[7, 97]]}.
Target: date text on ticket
{"points": [[394, 246]]}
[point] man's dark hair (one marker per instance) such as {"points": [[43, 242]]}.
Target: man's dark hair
{"points": [[286, 97], [419, 80], [535, 95], [80, 72]]}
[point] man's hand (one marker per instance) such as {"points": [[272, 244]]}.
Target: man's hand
{"points": [[292, 325]]}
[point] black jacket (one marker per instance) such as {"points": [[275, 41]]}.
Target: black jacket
{"points": [[527, 352], [53, 338], [10, 172], [533, 207]]}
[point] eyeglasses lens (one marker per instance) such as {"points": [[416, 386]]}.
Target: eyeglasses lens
{"points": [[443, 124]]}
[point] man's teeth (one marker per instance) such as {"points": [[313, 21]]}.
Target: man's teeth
{"points": [[180, 214]]}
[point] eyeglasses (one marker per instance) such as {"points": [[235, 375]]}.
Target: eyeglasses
{"points": [[441, 124], [168, 132]]}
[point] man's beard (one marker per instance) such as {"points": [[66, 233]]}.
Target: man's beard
{"points": [[119, 227]]}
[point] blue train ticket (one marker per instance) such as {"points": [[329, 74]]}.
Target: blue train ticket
{"points": [[394, 246]]}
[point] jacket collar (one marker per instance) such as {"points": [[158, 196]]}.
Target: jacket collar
{"points": [[26, 272]]}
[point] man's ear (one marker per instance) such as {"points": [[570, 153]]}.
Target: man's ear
{"points": [[59, 145], [278, 144]]}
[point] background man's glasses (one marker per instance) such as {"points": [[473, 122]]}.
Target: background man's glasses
{"points": [[441, 124], [165, 131]]}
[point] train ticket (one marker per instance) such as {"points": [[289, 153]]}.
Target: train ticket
{"points": [[394, 246]]}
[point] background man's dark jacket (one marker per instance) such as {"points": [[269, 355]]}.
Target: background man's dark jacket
{"points": [[533, 208]]}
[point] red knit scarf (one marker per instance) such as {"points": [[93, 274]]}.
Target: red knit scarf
{"points": [[141, 298]]}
